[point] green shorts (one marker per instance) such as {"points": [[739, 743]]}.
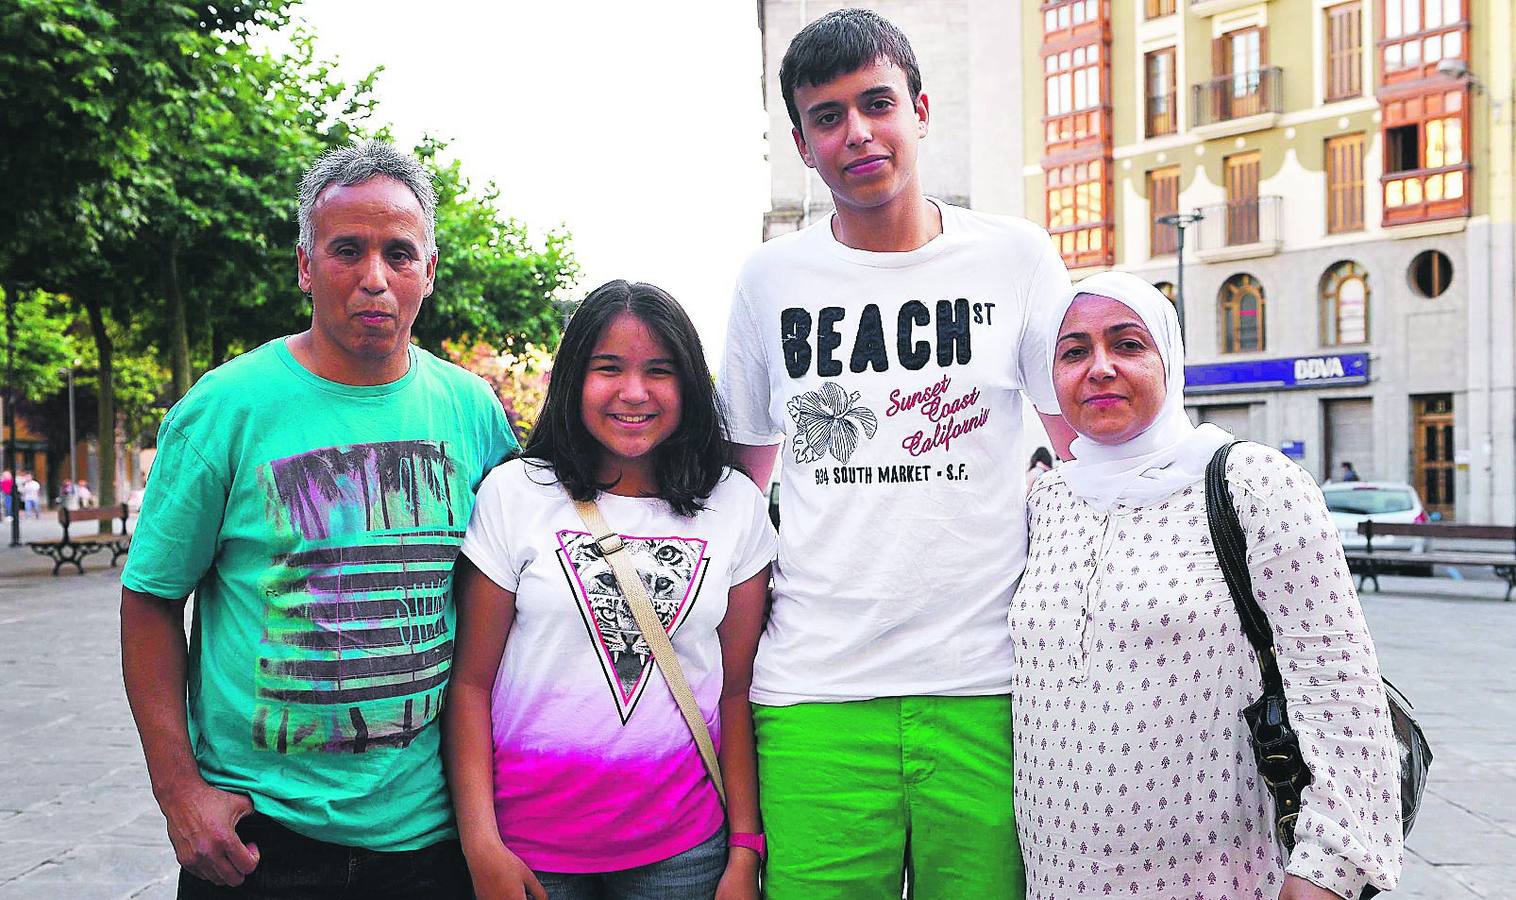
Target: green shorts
{"points": [[859, 798]]}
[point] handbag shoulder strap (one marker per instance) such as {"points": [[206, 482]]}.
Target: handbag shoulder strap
{"points": [[614, 550], [1231, 551]]}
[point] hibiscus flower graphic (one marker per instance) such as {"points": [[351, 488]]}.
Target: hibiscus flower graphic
{"points": [[829, 421]]}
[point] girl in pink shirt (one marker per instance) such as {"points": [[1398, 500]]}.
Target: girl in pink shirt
{"points": [[573, 772]]}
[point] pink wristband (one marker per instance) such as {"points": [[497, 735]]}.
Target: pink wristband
{"points": [[754, 842]]}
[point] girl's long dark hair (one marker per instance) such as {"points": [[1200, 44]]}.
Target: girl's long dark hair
{"points": [[689, 463]]}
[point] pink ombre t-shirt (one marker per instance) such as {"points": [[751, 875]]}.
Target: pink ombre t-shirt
{"points": [[595, 769]]}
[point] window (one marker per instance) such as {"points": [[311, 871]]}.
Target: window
{"points": [[1241, 302], [1344, 63], [1431, 273], [1242, 199], [1156, 8], [1345, 304], [1163, 200], [1074, 88], [1419, 33], [1076, 211], [1242, 86], [1426, 162], [1167, 289], [1073, 80], [1243, 60], [1158, 67], [1069, 15], [1344, 174]]}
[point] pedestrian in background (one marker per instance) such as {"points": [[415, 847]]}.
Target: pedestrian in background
{"points": [[1042, 461], [1134, 772], [31, 495]]}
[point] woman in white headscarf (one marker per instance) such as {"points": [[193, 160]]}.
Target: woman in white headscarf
{"points": [[1134, 775]]}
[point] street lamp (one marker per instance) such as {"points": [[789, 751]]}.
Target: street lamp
{"points": [[10, 407], [73, 442], [1181, 221]]}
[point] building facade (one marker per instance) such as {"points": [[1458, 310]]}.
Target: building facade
{"points": [[972, 154], [1348, 282]]}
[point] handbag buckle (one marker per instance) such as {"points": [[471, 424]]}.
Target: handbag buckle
{"points": [[609, 543]]}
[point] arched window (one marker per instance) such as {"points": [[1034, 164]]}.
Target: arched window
{"points": [[1241, 302], [1344, 294], [1166, 288]]}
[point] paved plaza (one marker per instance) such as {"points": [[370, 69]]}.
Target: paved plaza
{"points": [[77, 819]]}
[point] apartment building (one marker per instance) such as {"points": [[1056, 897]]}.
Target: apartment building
{"points": [[1344, 169]]}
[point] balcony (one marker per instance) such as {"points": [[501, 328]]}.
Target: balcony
{"points": [[1240, 230], [1234, 104], [1424, 195]]}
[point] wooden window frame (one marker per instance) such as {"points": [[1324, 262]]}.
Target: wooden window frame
{"points": [[1076, 128], [1155, 9], [1229, 305], [1080, 228], [1434, 188], [1163, 199], [1166, 122], [1344, 206], [1392, 49], [1243, 218], [1344, 46], [1330, 291]]}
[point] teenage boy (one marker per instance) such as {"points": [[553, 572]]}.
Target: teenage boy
{"points": [[313, 495], [888, 347]]}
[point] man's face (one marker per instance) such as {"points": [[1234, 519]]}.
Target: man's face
{"points": [[368, 269], [859, 131]]}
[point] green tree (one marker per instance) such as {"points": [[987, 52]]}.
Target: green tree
{"points": [[45, 343], [494, 283]]}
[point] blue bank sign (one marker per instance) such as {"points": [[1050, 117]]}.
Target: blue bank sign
{"points": [[1277, 374]]}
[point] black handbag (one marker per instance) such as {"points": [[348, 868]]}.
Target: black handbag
{"points": [[1275, 744]]}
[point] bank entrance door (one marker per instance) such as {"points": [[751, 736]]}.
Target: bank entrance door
{"points": [[1432, 438]]}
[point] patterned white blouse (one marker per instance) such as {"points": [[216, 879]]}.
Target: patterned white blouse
{"points": [[1134, 776]]}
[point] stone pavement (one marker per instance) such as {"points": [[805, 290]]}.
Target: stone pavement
{"points": [[77, 819]]}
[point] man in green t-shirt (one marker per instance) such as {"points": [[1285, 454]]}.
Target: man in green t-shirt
{"points": [[312, 494]]}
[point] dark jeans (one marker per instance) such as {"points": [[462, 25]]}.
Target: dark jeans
{"points": [[294, 867], [691, 875]]}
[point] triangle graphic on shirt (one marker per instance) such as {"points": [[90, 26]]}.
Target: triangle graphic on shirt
{"points": [[672, 569]]}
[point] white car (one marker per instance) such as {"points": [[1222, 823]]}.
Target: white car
{"points": [[1351, 502]]}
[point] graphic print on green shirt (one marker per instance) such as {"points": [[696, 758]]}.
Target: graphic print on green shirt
{"points": [[356, 649], [316, 525]]}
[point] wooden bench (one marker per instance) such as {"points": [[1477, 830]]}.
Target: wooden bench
{"points": [[74, 548], [1367, 562]]}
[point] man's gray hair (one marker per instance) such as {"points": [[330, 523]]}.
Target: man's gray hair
{"points": [[357, 164]]}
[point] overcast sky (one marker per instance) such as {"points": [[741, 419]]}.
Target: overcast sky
{"points": [[639, 125]]}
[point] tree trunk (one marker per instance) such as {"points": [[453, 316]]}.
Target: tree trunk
{"points": [[106, 490], [179, 328]]}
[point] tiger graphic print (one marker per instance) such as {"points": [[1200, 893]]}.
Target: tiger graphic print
{"points": [[671, 569]]}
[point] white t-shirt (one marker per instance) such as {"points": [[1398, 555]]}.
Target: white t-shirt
{"points": [[595, 768], [894, 382]]}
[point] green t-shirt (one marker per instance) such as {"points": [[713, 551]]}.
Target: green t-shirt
{"points": [[317, 524]]}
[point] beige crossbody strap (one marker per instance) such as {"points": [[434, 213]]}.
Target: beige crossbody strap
{"points": [[612, 547]]}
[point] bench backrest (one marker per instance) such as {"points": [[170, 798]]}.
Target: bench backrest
{"points": [[68, 516], [1451, 530]]}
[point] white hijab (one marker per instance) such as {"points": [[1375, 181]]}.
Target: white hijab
{"points": [[1169, 454]]}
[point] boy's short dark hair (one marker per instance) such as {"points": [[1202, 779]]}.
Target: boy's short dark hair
{"points": [[841, 42]]}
